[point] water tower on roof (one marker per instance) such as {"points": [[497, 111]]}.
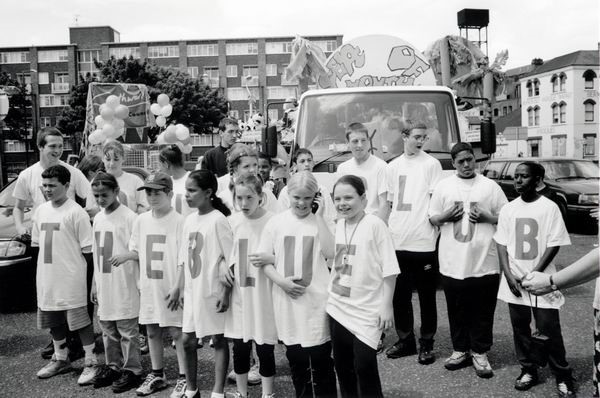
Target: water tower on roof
{"points": [[471, 20]]}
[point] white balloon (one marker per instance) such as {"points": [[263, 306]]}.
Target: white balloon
{"points": [[94, 137], [99, 121], [113, 101], [171, 129], [182, 132], [155, 109], [118, 123], [122, 112], [187, 149], [102, 106], [161, 121], [107, 114], [166, 110], [163, 99], [160, 139], [108, 130]]}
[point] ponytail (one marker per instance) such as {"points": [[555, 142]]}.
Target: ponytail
{"points": [[205, 179], [218, 204]]}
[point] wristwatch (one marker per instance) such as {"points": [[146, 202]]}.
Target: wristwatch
{"points": [[552, 285]]}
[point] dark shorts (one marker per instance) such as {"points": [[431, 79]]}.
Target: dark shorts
{"points": [[75, 318]]}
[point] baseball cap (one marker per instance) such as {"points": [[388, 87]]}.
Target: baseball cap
{"points": [[157, 181]]}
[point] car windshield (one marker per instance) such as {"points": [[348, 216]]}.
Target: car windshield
{"points": [[324, 118], [570, 169]]}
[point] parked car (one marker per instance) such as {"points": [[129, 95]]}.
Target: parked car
{"points": [[573, 183], [17, 271]]}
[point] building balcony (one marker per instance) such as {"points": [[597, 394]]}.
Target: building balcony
{"points": [[60, 88]]}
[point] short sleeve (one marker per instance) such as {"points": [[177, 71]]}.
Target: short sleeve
{"points": [[182, 253], [382, 185], [499, 199], [436, 204], [390, 181], [82, 185], [83, 228], [35, 229], [21, 192], [267, 239], [502, 232], [386, 249], [436, 174], [558, 235], [224, 237], [135, 236]]}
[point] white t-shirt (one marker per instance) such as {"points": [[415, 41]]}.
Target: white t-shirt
{"points": [[29, 184], [128, 193], [208, 242], [467, 249], [597, 295], [330, 214], [61, 234], [157, 242], [356, 289], [410, 183], [295, 243], [117, 287], [178, 201], [527, 229], [372, 172], [250, 315]]}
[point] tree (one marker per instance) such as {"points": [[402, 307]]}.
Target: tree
{"points": [[194, 104], [19, 117], [72, 119]]}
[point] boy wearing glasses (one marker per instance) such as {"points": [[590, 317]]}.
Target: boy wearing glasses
{"points": [[411, 179]]}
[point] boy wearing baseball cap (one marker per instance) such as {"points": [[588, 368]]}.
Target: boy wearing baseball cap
{"points": [[155, 243]]}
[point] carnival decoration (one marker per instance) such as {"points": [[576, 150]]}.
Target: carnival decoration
{"points": [[110, 123], [177, 134]]}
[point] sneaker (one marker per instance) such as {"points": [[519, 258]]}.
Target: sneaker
{"points": [[268, 395], [48, 351], [53, 368], [144, 349], [179, 390], [426, 356], [152, 384], [196, 395], [254, 376], [526, 380], [236, 394], [105, 377], [126, 382], [199, 344], [402, 349], [90, 370], [482, 365], [566, 387], [458, 360], [231, 376]]}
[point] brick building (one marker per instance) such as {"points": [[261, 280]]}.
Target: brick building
{"points": [[237, 67]]}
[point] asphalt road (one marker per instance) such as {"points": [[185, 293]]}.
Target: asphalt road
{"points": [[20, 343]]}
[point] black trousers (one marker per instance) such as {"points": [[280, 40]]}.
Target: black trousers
{"points": [[532, 353], [241, 357], [355, 364], [471, 304], [418, 270], [312, 370]]}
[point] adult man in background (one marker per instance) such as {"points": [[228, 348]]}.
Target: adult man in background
{"points": [[215, 159]]}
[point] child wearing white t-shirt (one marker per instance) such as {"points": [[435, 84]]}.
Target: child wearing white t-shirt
{"points": [[290, 251], [155, 242], [466, 206], [250, 317], [530, 233], [411, 179], [205, 257], [360, 289], [62, 231], [370, 168], [170, 160], [115, 287]]}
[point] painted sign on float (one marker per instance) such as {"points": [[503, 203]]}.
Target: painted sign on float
{"points": [[377, 60]]}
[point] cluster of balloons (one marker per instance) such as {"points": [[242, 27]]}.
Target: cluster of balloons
{"points": [[110, 123], [162, 109], [177, 134]]}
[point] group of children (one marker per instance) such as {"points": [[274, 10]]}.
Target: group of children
{"points": [[313, 270]]}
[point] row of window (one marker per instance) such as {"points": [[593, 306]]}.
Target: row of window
{"points": [[559, 83], [273, 92], [559, 113], [250, 71], [50, 100]]}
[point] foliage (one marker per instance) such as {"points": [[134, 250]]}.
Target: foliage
{"points": [[194, 104], [18, 119]]}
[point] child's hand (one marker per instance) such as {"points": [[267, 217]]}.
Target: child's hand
{"points": [[477, 215], [385, 320], [223, 300], [454, 213], [118, 259], [173, 300], [94, 294], [514, 283], [291, 288], [261, 259], [225, 274], [321, 202]]}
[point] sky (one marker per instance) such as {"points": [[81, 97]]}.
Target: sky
{"points": [[527, 28]]}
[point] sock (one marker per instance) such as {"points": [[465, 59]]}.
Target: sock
{"points": [[89, 352], [217, 395], [158, 372], [60, 349]]}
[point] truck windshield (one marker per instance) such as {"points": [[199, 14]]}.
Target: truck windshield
{"points": [[324, 118]]}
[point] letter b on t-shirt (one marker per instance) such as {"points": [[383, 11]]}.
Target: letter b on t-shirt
{"points": [[526, 239]]}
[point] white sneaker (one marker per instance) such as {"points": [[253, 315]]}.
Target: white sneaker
{"points": [[152, 384], [53, 368], [90, 370], [254, 375], [179, 390], [482, 365], [458, 360]]}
